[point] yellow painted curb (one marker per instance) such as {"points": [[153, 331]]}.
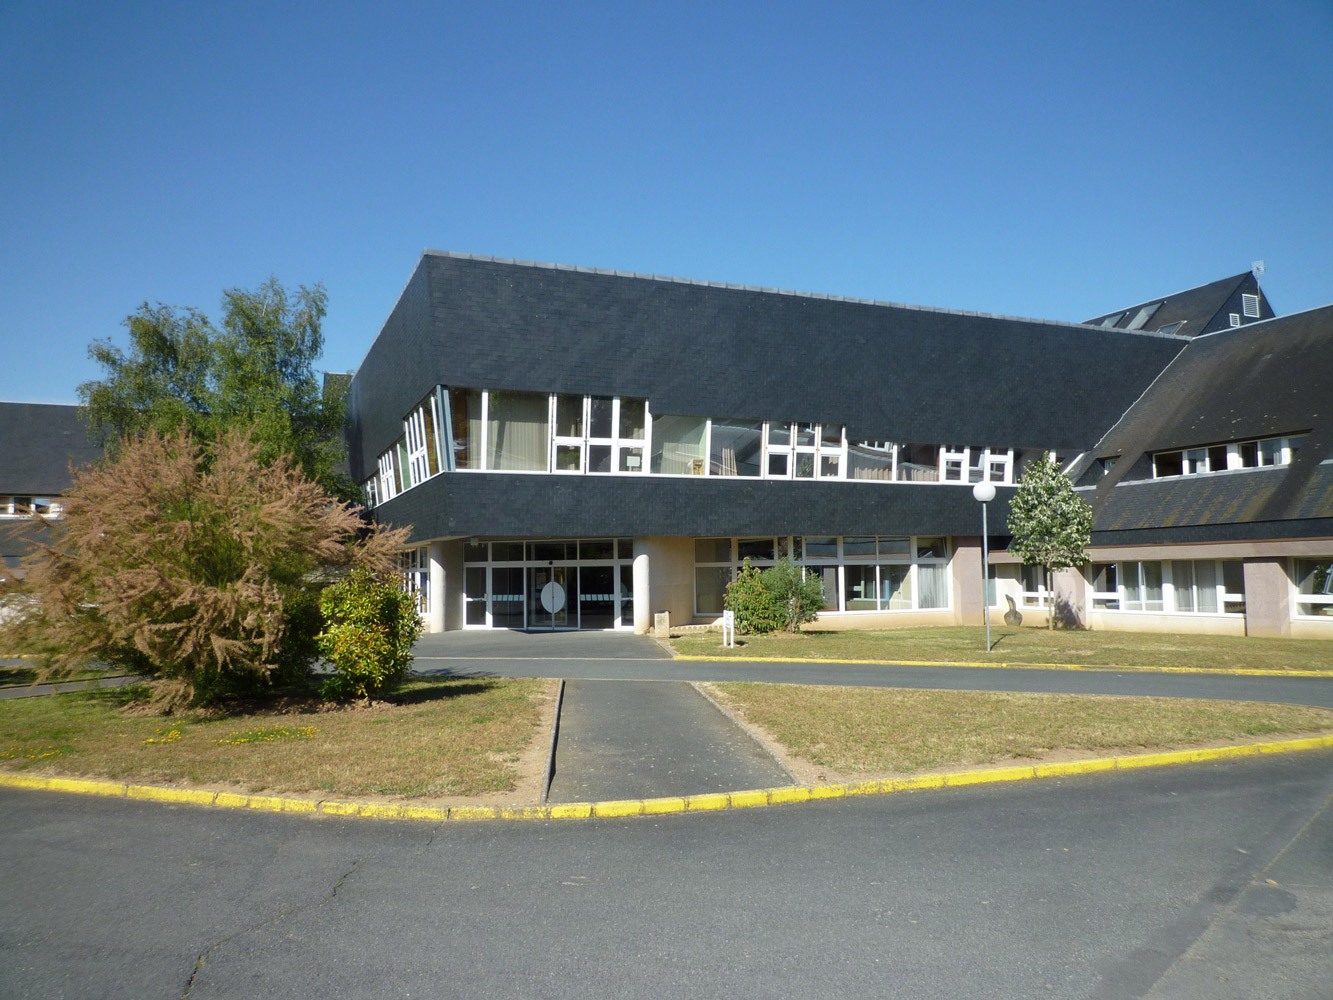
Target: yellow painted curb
{"points": [[1086, 667], [711, 801]]}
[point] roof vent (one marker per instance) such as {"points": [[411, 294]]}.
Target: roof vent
{"points": [[1250, 304]]}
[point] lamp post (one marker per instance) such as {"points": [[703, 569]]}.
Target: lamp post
{"points": [[984, 493]]}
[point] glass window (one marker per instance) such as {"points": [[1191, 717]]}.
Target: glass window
{"points": [[1269, 451], [890, 547], [678, 445], [712, 550], [625, 546], [631, 459], [736, 448], [859, 588], [1152, 586], [1105, 586], [1314, 587], [633, 418], [1205, 583], [805, 435], [1233, 583], [516, 427], [895, 587], [870, 460], [474, 551], [931, 548], [755, 548], [918, 463], [710, 586], [821, 547], [599, 458], [602, 548], [779, 435], [465, 414], [569, 416], [551, 551], [507, 597], [507, 551], [828, 575], [1182, 583], [1168, 463], [599, 416], [855, 547], [933, 583], [568, 457]]}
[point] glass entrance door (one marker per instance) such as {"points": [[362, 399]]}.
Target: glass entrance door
{"points": [[597, 597], [549, 597]]}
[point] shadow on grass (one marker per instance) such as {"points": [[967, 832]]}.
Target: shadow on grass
{"points": [[439, 691]]}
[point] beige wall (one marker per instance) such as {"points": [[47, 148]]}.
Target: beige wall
{"points": [[1150, 621], [965, 569], [1312, 628], [671, 577], [1267, 597], [847, 620]]}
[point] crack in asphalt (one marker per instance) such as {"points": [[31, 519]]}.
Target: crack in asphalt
{"points": [[280, 915]]}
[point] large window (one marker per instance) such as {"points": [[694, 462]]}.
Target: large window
{"points": [[1256, 454], [1314, 587], [1179, 586], [516, 431], [678, 445], [859, 572], [736, 448]]}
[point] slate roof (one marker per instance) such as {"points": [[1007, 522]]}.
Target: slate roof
{"points": [[1199, 310], [886, 371], [38, 443], [1266, 379]]}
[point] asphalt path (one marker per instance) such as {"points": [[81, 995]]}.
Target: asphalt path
{"points": [[654, 664], [1200, 881]]}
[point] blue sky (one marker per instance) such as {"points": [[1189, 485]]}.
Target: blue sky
{"points": [[1043, 159]]}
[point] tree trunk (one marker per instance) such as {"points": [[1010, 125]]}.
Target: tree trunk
{"points": [[1050, 587]]}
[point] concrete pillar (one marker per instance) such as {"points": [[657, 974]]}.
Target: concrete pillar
{"points": [[1267, 597], [967, 597], [643, 603], [435, 615], [1071, 597]]}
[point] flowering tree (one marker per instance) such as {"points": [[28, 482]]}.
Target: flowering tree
{"points": [[195, 563], [1050, 523]]}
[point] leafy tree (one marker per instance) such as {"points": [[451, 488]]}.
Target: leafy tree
{"points": [[1050, 523], [757, 610], [777, 598], [370, 626], [798, 597], [256, 370], [198, 564]]}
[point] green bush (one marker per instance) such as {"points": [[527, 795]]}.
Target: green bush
{"points": [[370, 624], [797, 598], [757, 612]]}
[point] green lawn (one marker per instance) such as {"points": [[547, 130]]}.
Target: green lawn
{"points": [[1025, 645], [853, 733], [435, 738]]}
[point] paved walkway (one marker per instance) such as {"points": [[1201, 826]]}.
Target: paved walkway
{"points": [[648, 739]]}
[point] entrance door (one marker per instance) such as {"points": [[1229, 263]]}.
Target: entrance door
{"points": [[549, 597], [597, 597]]}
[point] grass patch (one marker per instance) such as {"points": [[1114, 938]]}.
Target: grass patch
{"points": [[435, 738], [859, 732], [952, 644]]}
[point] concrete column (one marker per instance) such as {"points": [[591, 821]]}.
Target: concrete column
{"points": [[966, 565], [1267, 597], [435, 616], [1071, 597], [643, 604]]}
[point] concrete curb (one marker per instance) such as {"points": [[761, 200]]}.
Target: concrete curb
{"points": [[1090, 668], [708, 802]]}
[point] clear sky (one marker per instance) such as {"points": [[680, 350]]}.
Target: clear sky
{"points": [[1053, 160]]}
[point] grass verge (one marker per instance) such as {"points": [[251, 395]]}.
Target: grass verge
{"points": [[953, 644], [436, 739], [847, 734]]}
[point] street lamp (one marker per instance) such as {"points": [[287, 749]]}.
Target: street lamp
{"points": [[984, 493]]}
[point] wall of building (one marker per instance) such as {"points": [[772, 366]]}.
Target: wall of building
{"points": [[1267, 597], [1155, 621], [671, 577]]}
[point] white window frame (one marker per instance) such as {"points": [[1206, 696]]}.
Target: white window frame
{"points": [[1249, 305], [1322, 600]]}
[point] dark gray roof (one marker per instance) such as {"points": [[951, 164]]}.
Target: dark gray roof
{"points": [[886, 371], [38, 444], [1267, 379], [1199, 310]]}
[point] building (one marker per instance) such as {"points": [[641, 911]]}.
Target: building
{"points": [[40, 443], [577, 448]]}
